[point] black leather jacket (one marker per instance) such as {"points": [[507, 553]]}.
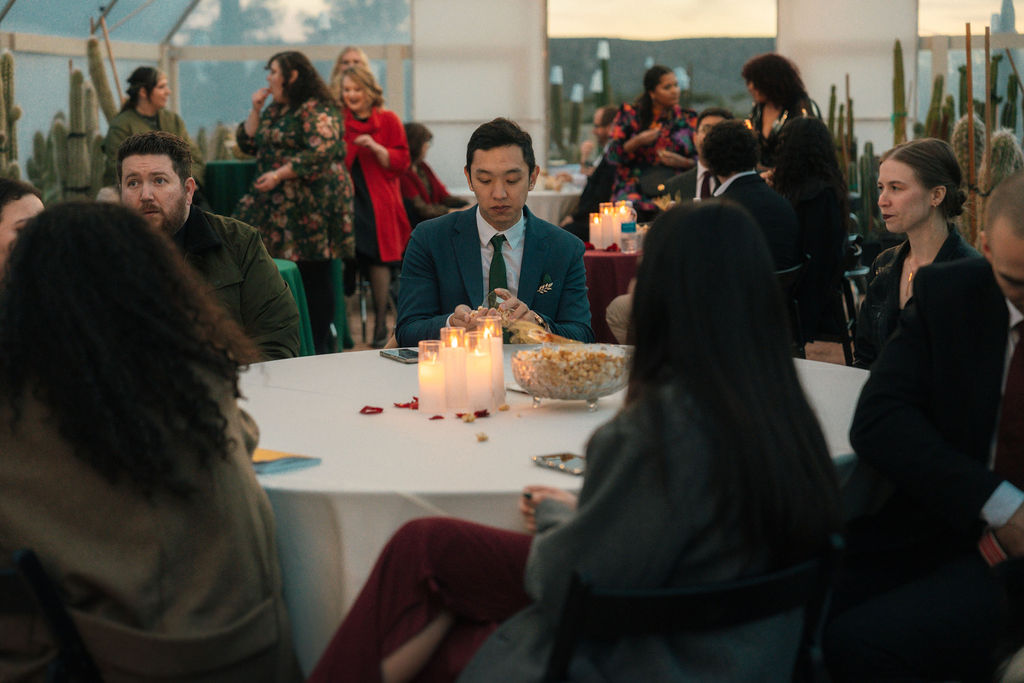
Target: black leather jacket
{"points": [[880, 310]]}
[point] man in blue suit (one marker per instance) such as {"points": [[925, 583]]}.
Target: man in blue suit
{"points": [[449, 266]]}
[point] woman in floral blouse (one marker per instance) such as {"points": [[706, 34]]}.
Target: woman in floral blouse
{"points": [[302, 198], [654, 135]]}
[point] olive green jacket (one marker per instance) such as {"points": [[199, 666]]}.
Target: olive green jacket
{"points": [[232, 259], [129, 122]]}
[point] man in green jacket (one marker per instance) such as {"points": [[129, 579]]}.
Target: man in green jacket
{"points": [[154, 173]]}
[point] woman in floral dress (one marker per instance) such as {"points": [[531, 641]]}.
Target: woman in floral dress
{"points": [[302, 198], [651, 135]]}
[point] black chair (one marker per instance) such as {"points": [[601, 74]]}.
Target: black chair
{"points": [[789, 281], [843, 302], [590, 612], [26, 589]]}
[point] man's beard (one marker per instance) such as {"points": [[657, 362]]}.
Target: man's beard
{"points": [[170, 222]]}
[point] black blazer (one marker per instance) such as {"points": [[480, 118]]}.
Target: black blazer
{"points": [[927, 414], [773, 213], [683, 184]]}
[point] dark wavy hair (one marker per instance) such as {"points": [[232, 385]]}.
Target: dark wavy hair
{"points": [[12, 190], [307, 84], [934, 164], [644, 104], [805, 160], [727, 346], [730, 147], [501, 132], [159, 143], [417, 135], [143, 78], [103, 322], [777, 78]]}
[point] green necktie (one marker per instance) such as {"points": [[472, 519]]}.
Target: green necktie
{"points": [[497, 277]]}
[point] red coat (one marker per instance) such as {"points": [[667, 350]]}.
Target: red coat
{"points": [[382, 183], [412, 186]]}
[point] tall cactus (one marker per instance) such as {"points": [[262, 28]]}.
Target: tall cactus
{"points": [[575, 113], [98, 75], [832, 111], [58, 153], [12, 113], [899, 97], [77, 181], [1005, 159], [868, 166], [221, 138], [1008, 119], [603, 60], [946, 122], [555, 102], [934, 118], [35, 166], [961, 109], [961, 145]]}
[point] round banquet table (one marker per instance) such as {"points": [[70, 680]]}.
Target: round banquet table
{"points": [[379, 471], [608, 276], [549, 205]]}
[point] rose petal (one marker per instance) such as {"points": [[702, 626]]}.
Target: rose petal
{"points": [[437, 417], [371, 410]]}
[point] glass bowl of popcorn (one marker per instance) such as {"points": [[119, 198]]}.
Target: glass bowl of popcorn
{"points": [[573, 372]]}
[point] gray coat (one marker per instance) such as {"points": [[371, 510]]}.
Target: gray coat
{"points": [[641, 524]]}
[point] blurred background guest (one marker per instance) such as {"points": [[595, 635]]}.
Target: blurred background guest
{"points": [[807, 174], [699, 182], [302, 198], [19, 202], [599, 178], [652, 140], [378, 156], [591, 154], [919, 196], [779, 96], [143, 111], [130, 477], [423, 193], [667, 497], [350, 55]]}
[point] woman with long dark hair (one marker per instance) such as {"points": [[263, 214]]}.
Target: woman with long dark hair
{"points": [[143, 111], [715, 469], [779, 96], [652, 139], [126, 460], [807, 174], [302, 198], [919, 196]]}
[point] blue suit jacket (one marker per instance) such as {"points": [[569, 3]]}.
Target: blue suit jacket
{"points": [[441, 269]]}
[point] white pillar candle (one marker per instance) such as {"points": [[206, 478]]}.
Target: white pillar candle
{"points": [[607, 224], [431, 375], [595, 229], [453, 357], [492, 331], [478, 371]]}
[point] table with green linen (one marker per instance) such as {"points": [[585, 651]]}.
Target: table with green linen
{"points": [[228, 181], [290, 274]]}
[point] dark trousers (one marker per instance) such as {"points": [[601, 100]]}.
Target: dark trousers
{"points": [[430, 565], [914, 613], [316, 280]]}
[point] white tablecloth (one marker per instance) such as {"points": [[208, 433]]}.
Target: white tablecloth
{"points": [[548, 205], [380, 471]]}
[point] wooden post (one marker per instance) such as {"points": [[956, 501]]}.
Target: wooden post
{"points": [[113, 65], [972, 189]]}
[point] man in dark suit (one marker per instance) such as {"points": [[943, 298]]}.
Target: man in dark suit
{"points": [[942, 418], [452, 262], [600, 178], [730, 151], [699, 182]]}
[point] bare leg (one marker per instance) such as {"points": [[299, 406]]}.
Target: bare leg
{"points": [[380, 284], [403, 664]]}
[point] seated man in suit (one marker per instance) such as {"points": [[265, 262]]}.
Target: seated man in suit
{"points": [[942, 418], [699, 182], [599, 178], [730, 151], [452, 262]]}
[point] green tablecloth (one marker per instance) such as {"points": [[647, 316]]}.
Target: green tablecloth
{"points": [[290, 274], [226, 182]]}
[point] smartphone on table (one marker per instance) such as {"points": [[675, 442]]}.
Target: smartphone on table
{"points": [[408, 356]]}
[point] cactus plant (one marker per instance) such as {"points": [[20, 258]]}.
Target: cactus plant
{"points": [[946, 121], [77, 179], [97, 164], [961, 147], [220, 144], [832, 111], [1008, 118], [868, 167], [1005, 158], [12, 112], [899, 104], [98, 75], [555, 102], [934, 117], [35, 166], [993, 83]]}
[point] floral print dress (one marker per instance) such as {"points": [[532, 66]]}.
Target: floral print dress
{"points": [[309, 217], [677, 128]]}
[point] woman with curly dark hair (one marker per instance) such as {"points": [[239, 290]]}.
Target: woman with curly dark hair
{"points": [[807, 174], [779, 96], [652, 139], [302, 198], [126, 460]]}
